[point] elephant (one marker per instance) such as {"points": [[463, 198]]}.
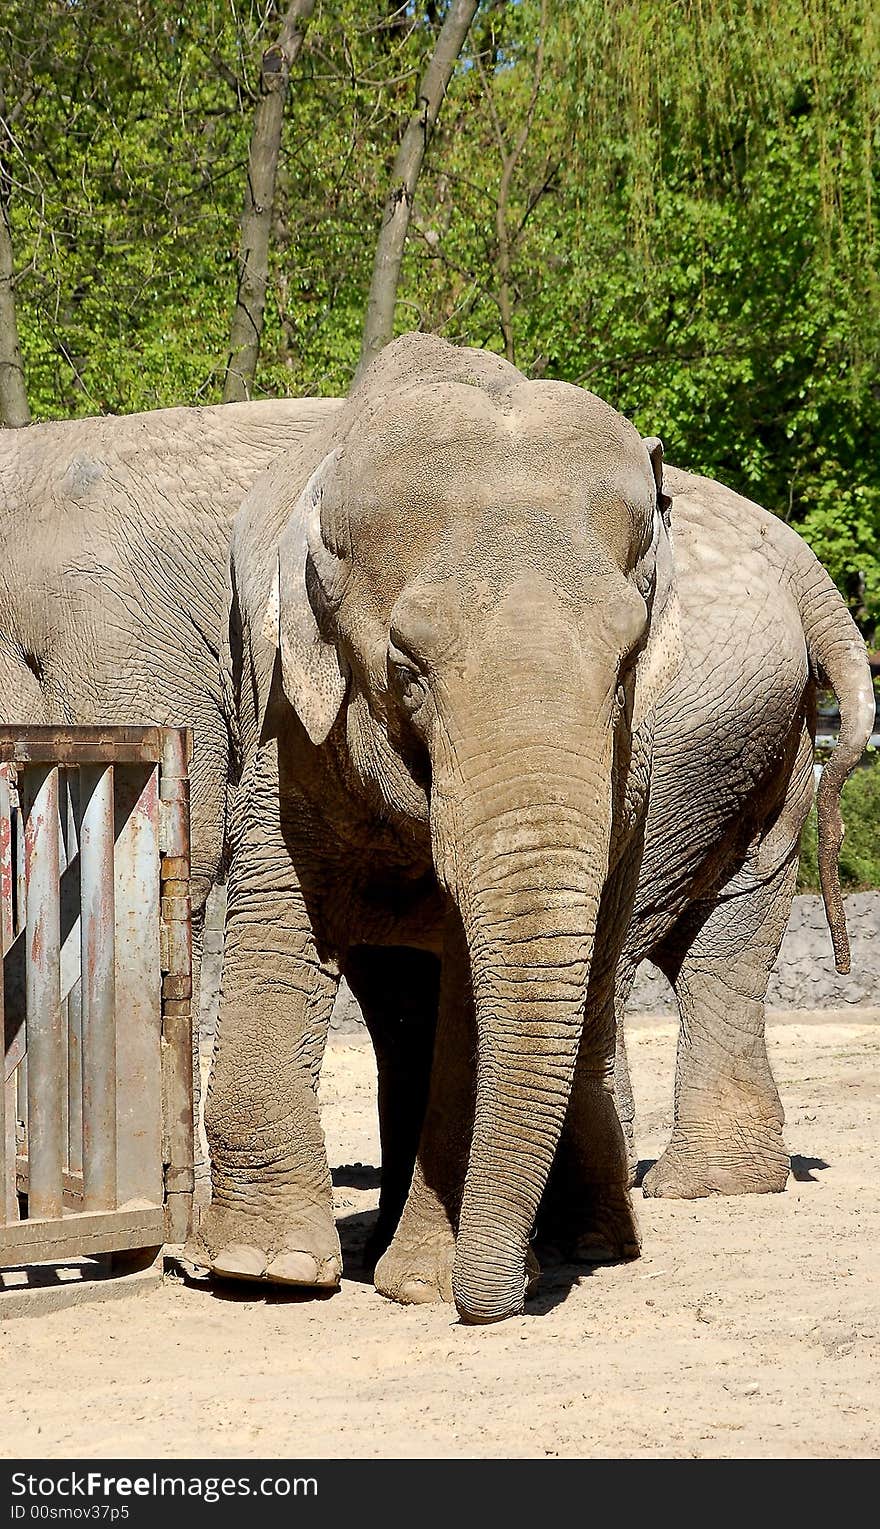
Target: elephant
{"points": [[113, 544], [509, 709], [732, 784]]}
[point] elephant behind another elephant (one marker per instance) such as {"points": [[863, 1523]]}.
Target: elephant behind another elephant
{"points": [[113, 543]]}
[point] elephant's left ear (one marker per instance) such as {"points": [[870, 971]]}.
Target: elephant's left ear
{"points": [[662, 656]]}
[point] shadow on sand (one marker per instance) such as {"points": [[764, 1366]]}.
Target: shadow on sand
{"points": [[558, 1276], [801, 1169]]}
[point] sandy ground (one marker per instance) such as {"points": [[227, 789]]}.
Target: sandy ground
{"points": [[749, 1328]]}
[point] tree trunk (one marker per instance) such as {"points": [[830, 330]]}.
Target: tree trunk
{"points": [[379, 321], [256, 218], [14, 409]]}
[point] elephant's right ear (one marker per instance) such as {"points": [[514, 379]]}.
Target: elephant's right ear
{"points": [[312, 676]]}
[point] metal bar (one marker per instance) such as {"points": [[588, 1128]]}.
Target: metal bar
{"points": [[20, 1114], [73, 1185], [138, 986], [6, 869], [7, 1149], [74, 1080], [73, 994], [21, 1105], [98, 987], [80, 1235], [20, 877], [8, 1196], [44, 1018], [62, 867], [177, 1027], [80, 745], [14, 967]]}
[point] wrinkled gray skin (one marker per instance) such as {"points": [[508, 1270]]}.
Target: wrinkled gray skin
{"points": [[443, 700], [732, 783], [113, 547]]}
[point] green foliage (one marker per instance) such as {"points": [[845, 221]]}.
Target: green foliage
{"points": [[691, 214], [860, 852]]}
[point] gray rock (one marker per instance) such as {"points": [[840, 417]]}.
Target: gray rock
{"points": [[804, 975]]}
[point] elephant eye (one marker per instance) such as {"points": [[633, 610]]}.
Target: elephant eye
{"points": [[401, 663], [646, 578], [405, 674], [406, 678]]}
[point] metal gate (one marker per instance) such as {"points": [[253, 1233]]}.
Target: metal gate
{"points": [[96, 1108]]}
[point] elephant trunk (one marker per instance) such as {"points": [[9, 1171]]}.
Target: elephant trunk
{"points": [[528, 899]]}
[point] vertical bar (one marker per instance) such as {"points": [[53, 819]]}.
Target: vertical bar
{"points": [[179, 1047], [6, 868], [19, 847], [20, 1113], [74, 1007], [74, 1080], [5, 1177], [8, 1191], [21, 1107], [98, 987], [138, 986], [62, 867], [44, 1017], [9, 1112], [8, 1196]]}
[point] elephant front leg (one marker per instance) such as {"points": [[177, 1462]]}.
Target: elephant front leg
{"points": [[271, 1211]]}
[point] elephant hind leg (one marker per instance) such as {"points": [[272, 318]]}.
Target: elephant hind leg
{"points": [[417, 1266], [727, 1132], [398, 992], [624, 1098], [587, 1214]]}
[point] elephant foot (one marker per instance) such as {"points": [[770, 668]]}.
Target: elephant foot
{"points": [[612, 1234], [419, 1271], [232, 1245], [380, 1239], [714, 1160], [600, 1227]]}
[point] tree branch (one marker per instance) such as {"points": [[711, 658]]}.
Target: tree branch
{"points": [[379, 318], [256, 218]]}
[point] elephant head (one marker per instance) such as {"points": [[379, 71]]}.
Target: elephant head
{"points": [[478, 578]]}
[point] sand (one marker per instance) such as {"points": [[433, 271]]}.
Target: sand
{"points": [[749, 1327]]}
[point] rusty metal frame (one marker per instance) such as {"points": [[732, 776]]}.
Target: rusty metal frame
{"points": [[108, 1165]]}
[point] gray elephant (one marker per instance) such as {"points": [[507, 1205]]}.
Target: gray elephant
{"points": [[113, 548], [732, 783], [456, 623]]}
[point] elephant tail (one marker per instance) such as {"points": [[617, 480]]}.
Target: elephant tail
{"points": [[837, 658]]}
